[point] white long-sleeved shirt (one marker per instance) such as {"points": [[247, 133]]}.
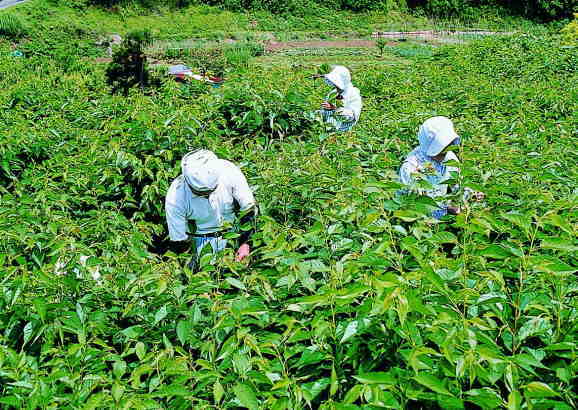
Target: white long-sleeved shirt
{"points": [[210, 214], [418, 166], [351, 103]]}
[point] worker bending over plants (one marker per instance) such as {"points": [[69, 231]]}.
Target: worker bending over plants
{"points": [[345, 117], [210, 191], [428, 167]]}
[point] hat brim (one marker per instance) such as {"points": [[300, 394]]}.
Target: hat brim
{"points": [[440, 144]]}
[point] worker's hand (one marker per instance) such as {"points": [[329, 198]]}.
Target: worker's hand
{"points": [[243, 252], [454, 210], [328, 106]]}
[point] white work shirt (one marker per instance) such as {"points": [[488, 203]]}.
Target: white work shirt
{"points": [[351, 103], [210, 214], [418, 166]]}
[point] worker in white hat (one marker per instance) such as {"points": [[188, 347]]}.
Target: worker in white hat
{"points": [[345, 117], [428, 162], [210, 191]]}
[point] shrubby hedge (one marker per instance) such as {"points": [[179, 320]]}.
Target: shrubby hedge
{"points": [[544, 10]]}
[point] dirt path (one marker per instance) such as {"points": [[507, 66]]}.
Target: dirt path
{"points": [[439, 35], [273, 46]]}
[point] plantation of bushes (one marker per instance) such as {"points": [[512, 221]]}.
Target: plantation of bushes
{"points": [[540, 9], [352, 298]]}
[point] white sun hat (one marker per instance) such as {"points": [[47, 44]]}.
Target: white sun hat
{"points": [[435, 134], [198, 170]]}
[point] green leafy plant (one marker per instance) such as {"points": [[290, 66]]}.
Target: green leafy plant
{"points": [[11, 26], [570, 31], [381, 44]]}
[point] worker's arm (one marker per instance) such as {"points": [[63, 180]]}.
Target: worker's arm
{"points": [[243, 195], [177, 220], [248, 217]]}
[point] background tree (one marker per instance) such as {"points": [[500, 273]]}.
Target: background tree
{"points": [[129, 63]]}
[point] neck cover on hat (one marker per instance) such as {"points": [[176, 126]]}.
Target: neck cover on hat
{"points": [[198, 170], [435, 134], [339, 77]]}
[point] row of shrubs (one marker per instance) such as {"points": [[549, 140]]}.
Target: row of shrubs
{"points": [[538, 9]]}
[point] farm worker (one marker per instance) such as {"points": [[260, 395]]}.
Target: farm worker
{"points": [[209, 192], [345, 117], [428, 162]]}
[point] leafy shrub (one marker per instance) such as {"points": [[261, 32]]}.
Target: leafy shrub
{"points": [[271, 114], [211, 60], [238, 55], [381, 43], [544, 9], [570, 32], [128, 67], [447, 8], [11, 26]]}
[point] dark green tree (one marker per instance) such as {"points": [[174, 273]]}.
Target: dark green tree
{"points": [[129, 63]]}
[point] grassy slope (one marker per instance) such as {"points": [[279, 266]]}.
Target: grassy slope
{"points": [[209, 22]]}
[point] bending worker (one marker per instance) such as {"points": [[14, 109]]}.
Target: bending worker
{"points": [[209, 192], [345, 117], [427, 162]]}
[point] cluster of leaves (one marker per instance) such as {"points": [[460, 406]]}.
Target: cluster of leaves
{"points": [[246, 112], [570, 32], [354, 297]]}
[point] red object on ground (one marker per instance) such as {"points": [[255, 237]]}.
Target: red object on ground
{"points": [[216, 79]]}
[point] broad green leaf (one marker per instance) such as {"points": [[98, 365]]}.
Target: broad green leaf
{"points": [[376, 378], [161, 314], [140, 350], [27, 332], [334, 382], [41, 308], [310, 356], [559, 244], [551, 265], [313, 389], [172, 390], [236, 283], [117, 392], [80, 312], [515, 401], [444, 237], [353, 394], [559, 222], [432, 383], [350, 331], [534, 326], [539, 389], [218, 391], [486, 398], [246, 396], [494, 252], [119, 368], [183, 330], [281, 404], [562, 346]]}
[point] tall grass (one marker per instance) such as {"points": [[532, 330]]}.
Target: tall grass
{"points": [[11, 26]]}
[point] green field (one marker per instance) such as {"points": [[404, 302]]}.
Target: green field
{"points": [[353, 298]]}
